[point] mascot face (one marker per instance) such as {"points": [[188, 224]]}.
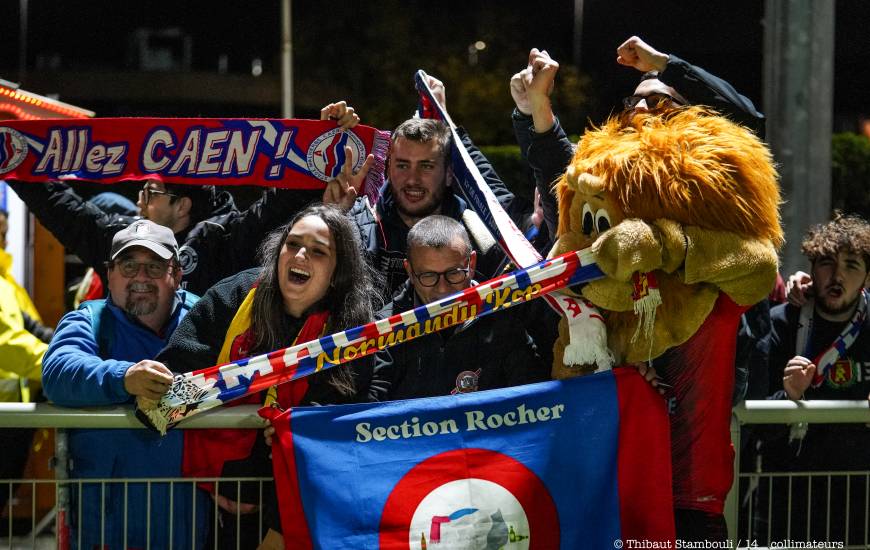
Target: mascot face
{"points": [[683, 193], [594, 210]]}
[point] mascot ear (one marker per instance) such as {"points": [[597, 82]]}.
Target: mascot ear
{"points": [[565, 188]]}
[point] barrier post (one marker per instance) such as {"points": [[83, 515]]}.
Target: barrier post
{"points": [[61, 474]]}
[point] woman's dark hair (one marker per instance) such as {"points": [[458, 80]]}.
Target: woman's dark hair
{"points": [[348, 300]]}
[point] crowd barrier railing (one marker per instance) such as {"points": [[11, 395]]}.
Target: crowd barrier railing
{"points": [[43, 415], [752, 524]]}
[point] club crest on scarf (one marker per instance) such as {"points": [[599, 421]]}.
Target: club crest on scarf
{"points": [[13, 149], [274, 153], [326, 155], [467, 381]]}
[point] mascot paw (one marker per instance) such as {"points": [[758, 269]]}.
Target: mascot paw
{"points": [[630, 246]]}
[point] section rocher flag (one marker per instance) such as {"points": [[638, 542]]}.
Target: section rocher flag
{"points": [[571, 464]]}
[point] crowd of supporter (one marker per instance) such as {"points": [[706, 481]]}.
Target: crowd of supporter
{"points": [[191, 282]]}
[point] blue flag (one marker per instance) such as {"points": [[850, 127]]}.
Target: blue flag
{"points": [[571, 464]]}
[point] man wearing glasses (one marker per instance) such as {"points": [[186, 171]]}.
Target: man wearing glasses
{"points": [[485, 353], [100, 355]]}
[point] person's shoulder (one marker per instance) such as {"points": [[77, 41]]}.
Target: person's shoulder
{"points": [[361, 212], [784, 318], [243, 281], [402, 300]]}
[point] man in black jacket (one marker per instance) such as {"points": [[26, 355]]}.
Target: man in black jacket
{"points": [[217, 240], [667, 81], [821, 350], [484, 353]]}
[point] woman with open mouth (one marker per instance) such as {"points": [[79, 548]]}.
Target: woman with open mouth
{"points": [[313, 280]]}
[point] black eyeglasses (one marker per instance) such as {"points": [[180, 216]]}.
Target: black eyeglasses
{"points": [[653, 100], [452, 276], [129, 268], [146, 192]]}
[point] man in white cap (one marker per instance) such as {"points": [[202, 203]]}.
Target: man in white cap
{"points": [[101, 355]]}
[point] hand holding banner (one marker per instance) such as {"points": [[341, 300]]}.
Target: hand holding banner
{"points": [[207, 388]]}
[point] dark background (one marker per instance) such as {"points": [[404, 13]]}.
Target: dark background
{"points": [[366, 52]]}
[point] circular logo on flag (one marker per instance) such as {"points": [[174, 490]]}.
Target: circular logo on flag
{"points": [[13, 149], [326, 155], [469, 499]]}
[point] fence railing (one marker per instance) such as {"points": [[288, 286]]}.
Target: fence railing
{"points": [[782, 485], [29, 415]]}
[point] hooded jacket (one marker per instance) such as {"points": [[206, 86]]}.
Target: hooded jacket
{"points": [[21, 351]]}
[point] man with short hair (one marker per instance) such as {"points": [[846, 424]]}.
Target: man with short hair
{"points": [[101, 355], [821, 350], [484, 353], [216, 239], [420, 183]]}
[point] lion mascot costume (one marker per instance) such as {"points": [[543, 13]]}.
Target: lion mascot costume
{"points": [[681, 210]]}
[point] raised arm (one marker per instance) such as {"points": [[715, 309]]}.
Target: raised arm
{"points": [[698, 86], [542, 140]]}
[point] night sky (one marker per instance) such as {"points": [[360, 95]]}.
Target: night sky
{"points": [[356, 45]]}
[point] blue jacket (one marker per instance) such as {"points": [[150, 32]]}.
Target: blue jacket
{"points": [[78, 373]]}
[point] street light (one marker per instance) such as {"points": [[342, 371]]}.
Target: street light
{"points": [[473, 50]]}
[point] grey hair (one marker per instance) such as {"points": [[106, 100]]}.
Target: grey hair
{"points": [[437, 231]]}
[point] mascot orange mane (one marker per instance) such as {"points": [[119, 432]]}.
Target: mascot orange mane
{"points": [[681, 210], [685, 196]]}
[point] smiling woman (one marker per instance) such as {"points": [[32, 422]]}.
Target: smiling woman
{"points": [[313, 280]]}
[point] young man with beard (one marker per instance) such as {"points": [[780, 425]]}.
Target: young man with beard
{"points": [[101, 355], [821, 350], [420, 183]]}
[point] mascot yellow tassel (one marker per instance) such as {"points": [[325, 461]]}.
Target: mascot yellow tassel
{"points": [[686, 201]]}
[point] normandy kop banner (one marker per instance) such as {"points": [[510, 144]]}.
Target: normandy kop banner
{"points": [[581, 463], [299, 154]]}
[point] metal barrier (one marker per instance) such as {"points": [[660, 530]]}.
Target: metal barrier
{"points": [[796, 488], [29, 415]]}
